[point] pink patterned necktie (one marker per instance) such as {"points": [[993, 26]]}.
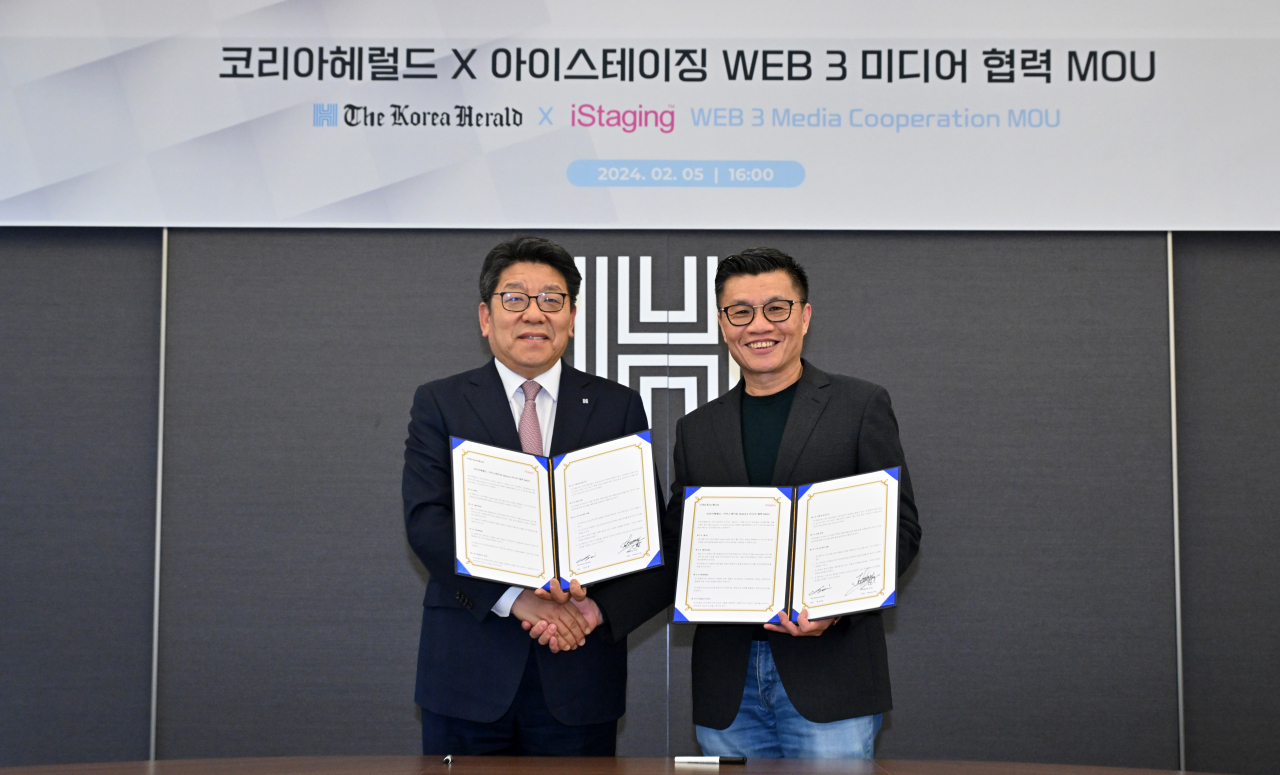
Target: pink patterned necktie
{"points": [[530, 430]]}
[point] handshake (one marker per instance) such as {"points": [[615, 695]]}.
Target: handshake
{"points": [[558, 619]]}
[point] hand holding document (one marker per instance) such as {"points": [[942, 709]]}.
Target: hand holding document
{"points": [[748, 554], [575, 591], [537, 522]]}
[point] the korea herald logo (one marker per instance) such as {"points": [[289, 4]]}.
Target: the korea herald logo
{"points": [[324, 115]]}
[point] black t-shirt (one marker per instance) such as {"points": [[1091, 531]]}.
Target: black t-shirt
{"points": [[763, 420]]}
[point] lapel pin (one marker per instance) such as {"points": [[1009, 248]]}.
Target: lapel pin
{"points": [[586, 400]]}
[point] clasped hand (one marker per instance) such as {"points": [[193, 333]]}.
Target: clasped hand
{"points": [[556, 618]]}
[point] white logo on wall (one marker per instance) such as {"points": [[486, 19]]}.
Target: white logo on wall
{"points": [[664, 346]]}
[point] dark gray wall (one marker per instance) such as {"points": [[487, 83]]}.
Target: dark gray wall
{"points": [[1030, 373], [1228, 340], [79, 359], [292, 602], [1030, 377]]}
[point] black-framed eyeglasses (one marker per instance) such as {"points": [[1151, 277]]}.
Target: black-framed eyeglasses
{"points": [[775, 311], [514, 301]]}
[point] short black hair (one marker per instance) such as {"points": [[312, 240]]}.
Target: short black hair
{"points": [[753, 261], [535, 250]]}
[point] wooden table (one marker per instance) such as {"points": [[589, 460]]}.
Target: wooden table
{"points": [[512, 765]]}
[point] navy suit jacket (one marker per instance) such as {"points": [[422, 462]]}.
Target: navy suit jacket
{"points": [[470, 660]]}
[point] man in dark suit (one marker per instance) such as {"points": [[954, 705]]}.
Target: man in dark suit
{"points": [[804, 689], [486, 683]]}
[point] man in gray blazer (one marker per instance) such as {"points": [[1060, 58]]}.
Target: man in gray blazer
{"points": [[797, 689]]}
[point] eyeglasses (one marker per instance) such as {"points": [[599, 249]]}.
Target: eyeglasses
{"points": [[514, 301], [775, 311]]}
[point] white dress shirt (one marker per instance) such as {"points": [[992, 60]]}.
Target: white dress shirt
{"points": [[545, 405]]}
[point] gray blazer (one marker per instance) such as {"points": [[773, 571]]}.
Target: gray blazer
{"points": [[838, 426]]}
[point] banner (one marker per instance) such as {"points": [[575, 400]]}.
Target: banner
{"points": [[725, 115]]}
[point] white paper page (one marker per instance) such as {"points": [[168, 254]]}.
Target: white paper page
{"points": [[606, 510], [733, 554], [502, 515], [846, 544]]}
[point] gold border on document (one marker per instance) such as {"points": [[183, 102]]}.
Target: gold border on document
{"points": [[777, 547], [466, 531], [809, 496], [644, 486]]}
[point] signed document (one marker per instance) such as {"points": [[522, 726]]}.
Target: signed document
{"points": [[532, 521], [846, 556], [747, 553], [734, 551], [502, 515], [606, 510]]}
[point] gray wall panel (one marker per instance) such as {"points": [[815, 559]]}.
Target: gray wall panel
{"points": [[79, 357], [1030, 378], [1228, 337], [292, 601], [1029, 373]]}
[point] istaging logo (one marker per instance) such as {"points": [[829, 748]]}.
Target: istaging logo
{"points": [[628, 120]]}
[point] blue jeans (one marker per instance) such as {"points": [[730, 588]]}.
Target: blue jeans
{"points": [[769, 726]]}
